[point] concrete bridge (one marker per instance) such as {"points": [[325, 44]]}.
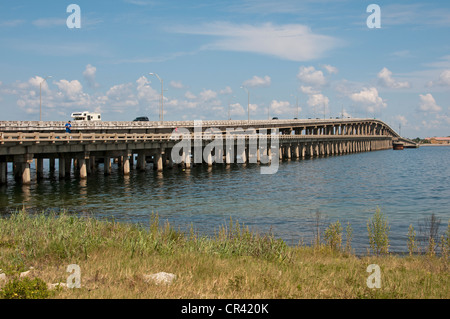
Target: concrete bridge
{"points": [[133, 144]]}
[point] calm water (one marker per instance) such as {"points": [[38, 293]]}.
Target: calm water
{"points": [[407, 185]]}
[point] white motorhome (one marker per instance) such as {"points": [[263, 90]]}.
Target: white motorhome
{"points": [[86, 116]]}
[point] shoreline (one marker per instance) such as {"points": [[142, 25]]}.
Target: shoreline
{"points": [[117, 259]]}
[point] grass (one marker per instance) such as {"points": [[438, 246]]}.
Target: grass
{"points": [[235, 263]]}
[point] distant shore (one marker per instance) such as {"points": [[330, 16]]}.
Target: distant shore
{"points": [[434, 144]]}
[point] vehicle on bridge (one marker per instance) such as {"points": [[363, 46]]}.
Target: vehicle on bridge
{"points": [[141, 118], [86, 116]]}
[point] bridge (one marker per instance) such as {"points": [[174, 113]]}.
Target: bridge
{"points": [[134, 144]]}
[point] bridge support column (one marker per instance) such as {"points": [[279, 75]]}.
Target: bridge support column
{"points": [[83, 168], [68, 165], [126, 163], [158, 164], [51, 164], [62, 167], [83, 164], [22, 164], [187, 159], [3, 171], [39, 162], [141, 162], [107, 165], [289, 151], [297, 151]]}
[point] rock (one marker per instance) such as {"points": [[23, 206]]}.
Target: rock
{"points": [[54, 286], [161, 278], [2, 277], [26, 273]]}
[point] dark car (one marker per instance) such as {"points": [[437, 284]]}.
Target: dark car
{"points": [[274, 118], [141, 118]]}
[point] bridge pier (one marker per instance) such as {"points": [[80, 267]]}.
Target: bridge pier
{"points": [[107, 164], [3, 171]]}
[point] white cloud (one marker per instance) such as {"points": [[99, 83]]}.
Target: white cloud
{"points": [[319, 103], [226, 90], [145, 91], [11, 23], [444, 79], [89, 75], [308, 90], [428, 103], [330, 69], [176, 85], [310, 75], [237, 109], [257, 81], [37, 82], [49, 22], [71, 89], [401, 119], [386, 80], [293, 42], [282, 107], [207, 95], [190, 95], [369, 99]]}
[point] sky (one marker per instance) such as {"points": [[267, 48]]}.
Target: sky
{"points": [[216, 60]]}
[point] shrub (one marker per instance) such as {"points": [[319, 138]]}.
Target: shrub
{"points": [[25, 288], [412, 245], [333, 236], [378, 229]]}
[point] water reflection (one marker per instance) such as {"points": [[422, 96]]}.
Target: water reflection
{"points": [[348, 188]]}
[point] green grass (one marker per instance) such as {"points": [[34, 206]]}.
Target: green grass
{"points": [[234, 263]]}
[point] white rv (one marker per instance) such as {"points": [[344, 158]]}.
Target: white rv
{"points": [[86, 116]]}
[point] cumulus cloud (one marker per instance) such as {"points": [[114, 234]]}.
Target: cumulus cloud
{"points": [[190, 95], [369, 98], [257, 81], [280, 107], [309, 75], [176, 85], [428, 103], [330, 69], [293, 42], [89, 76], [319, 103], [226, 90], [444, 79], [401, 119], [386, 80], [308, 90], [71, 89], [207, 95], [145, 91]]}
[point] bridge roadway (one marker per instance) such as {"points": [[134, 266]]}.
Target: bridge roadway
{"points": [[226, 142]]}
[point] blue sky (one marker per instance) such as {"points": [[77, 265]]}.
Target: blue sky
{"points": [[321, 53]]}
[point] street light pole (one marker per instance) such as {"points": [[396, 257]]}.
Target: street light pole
{"points": [[161, 111], [248, 102], [40, 97]]}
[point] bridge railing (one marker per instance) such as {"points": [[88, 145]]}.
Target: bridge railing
{"points": [[37, 138]]}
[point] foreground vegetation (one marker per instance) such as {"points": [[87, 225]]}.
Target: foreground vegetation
{"points": [[115, 258]]}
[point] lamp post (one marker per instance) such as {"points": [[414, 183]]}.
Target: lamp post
{"points": [[248, 102], [40, 96], [161, 111]]}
